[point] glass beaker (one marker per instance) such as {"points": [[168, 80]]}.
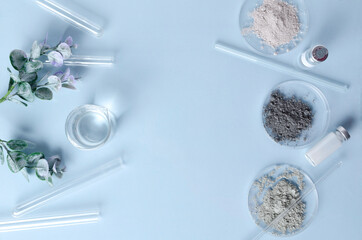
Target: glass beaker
{"points": [[89, 126]]}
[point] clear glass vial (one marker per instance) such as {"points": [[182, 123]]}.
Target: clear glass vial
{"points": [[89, 126], [328, 145], [314, 56]]}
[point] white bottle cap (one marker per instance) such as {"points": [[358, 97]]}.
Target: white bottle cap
{"points": [[344, 133]]}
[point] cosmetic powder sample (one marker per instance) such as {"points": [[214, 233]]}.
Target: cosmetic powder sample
{"points": [[276, 201], [277, 194], [286, 117], [276, 22]]}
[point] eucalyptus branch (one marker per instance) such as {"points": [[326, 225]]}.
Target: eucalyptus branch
{"points": [[26, 85], [19, 161], [5, 97]]}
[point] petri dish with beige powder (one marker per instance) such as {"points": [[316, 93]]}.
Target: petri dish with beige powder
{"points": [[273, 27]]}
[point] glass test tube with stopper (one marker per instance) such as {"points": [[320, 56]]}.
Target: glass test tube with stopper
{"points": [[314, 56], [327, 146]]}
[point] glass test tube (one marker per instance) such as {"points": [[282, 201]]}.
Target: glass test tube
{"points": [[12, 225], [251, 57], [67, 187], [328, 145], [72, 17], [88, 61]]}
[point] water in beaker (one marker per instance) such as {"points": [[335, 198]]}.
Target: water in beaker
{"points": [[89, 126]]}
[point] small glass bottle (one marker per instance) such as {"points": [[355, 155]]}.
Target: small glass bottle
{"points": [[327, 146], [314, 56]]}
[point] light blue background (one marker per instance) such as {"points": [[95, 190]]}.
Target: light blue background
{"points": [[190, 127]]}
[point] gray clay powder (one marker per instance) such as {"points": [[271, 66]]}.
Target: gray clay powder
{"points": [[287, 118], [276, 22], [276, 201], [279, 193]]}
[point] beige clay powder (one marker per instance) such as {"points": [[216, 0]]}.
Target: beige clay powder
{"points": [[276, 22]]}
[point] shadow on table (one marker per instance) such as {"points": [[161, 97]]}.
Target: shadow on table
{"points": [[38, 145]]}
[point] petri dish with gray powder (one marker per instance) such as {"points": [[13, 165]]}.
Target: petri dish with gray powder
{"points": [[295, 113], [273, 191]]}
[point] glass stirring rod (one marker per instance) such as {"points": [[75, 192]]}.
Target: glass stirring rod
{"points": [[280, 67], [67, 187], [72, 17], [61, 220], [301, 198], [87, 61]]}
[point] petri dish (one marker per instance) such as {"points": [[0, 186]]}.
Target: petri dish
{"points": [[89, 126], [255, 198], [246, 21], [311, 95]]}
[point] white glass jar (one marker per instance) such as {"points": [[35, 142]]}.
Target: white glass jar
{"points": [[328, 145]]}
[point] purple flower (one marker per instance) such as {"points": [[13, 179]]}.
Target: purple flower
{"points": [[66, 75], [43, 45], [58, 74], [46, 39], [55, 58], [69, 41], [65, 78], [71, 79]]}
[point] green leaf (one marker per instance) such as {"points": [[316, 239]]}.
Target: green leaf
{"points": [[16, 161], [1, 155], [11, 82], [25, 92], [18, 59], [28, 77], [17, 145], [34, 157], [65, 50], [35, 50], [50, 181], [33, 66], [44, 93], [25, 174], [14, 77], [70, 86], [42, 169], [13, 166], [55, 166], [33, 85], [17, 101], [58, 171], [54, 83]]}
